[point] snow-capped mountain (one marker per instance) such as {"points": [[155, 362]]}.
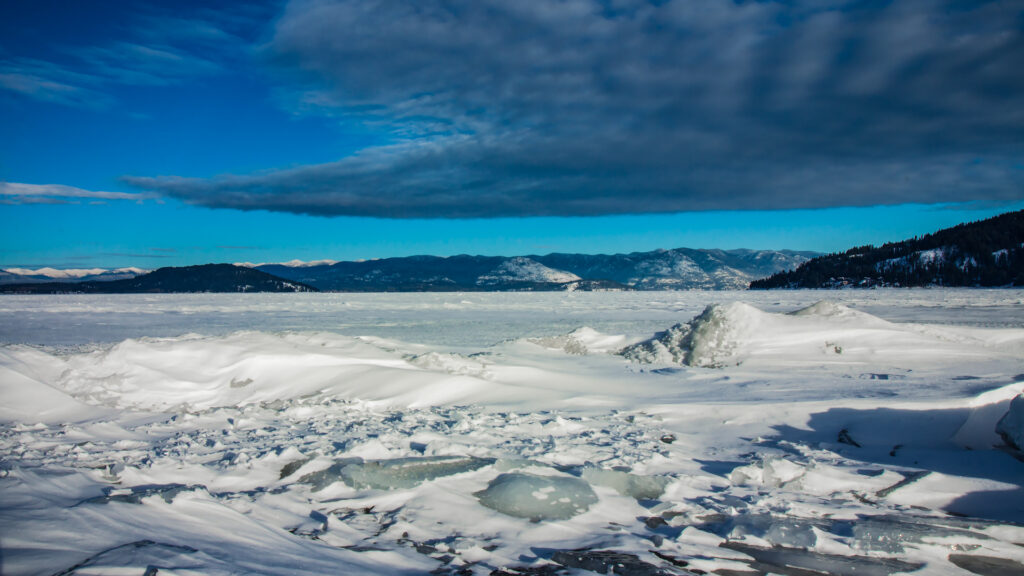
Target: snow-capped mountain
{"points": [[521, 269], [203, 278], [29, 276]]}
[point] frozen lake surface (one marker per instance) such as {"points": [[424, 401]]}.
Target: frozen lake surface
{"points": [[454, 319], [512, 433]]}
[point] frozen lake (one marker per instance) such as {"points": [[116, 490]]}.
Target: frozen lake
{"points": [[455, 319], [643, 433]]}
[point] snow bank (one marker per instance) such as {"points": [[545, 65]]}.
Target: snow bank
{"points": [[1011, 425]]}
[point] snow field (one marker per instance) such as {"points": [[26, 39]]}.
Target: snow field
{"points": [[747, 442]]}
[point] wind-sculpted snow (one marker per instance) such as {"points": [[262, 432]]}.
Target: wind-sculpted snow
{"points": [[787, 437], [1011, 425]]}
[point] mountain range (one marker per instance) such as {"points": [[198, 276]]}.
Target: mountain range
{"points": [[986, 253], [679, 269]]}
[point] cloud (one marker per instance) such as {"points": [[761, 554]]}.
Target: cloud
{"points": [[581, 107], [18, 193]]}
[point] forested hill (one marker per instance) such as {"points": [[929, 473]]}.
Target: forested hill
{"points": [[985, 253], [204, 278]]}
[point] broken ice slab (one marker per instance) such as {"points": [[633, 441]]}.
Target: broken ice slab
{"points": [[135, 494], [537, 497], [393, 474], [889, 533], [797, 562], [884, 533], [987, 565], [1011, 425], [609, 562], [627, 484], [777, 530]]}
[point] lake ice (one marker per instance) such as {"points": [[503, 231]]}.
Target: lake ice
{"points": [[850, 432]]}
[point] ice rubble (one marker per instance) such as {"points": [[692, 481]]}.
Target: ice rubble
{"points": [[537, 497]]}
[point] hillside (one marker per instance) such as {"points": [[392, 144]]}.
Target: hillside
{"points": [[204, 278], [985, 253]]}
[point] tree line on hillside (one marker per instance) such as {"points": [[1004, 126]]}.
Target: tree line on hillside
{"points": [[985, 253]]}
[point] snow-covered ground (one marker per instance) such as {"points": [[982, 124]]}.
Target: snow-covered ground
{"points": [[530, 433]]}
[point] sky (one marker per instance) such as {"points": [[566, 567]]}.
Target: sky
{"points": [[172, 133]]}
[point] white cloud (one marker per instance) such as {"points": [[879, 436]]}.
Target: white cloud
{"points": [[20, 193]]}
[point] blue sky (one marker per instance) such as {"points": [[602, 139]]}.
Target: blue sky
{"points": [[151, 134]]}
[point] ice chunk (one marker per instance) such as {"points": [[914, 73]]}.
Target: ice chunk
{"points": [[987, 565], [633, 485], [770, 472], [581, 342], [392, 474], [890, 533], [776, 530], [709, 340], [408, 472], [1011, 425], [537, 497]]}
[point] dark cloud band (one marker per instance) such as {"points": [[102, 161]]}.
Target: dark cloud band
{"points": [[582, 107]]}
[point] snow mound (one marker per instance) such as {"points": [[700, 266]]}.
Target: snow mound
{"points": [[830, 309], [581, 342], [981, 430], [825, 333], [522, 269], [191, 373], [537, 497], [27, 396], [1011, 425], [710, 340]]}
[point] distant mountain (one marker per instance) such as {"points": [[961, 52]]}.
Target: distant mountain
{"points": [[205, 278], [680, 269], [27, 276], [985, 253]]}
